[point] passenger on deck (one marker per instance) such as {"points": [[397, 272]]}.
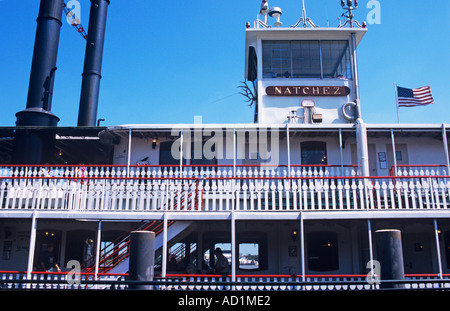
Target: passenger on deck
{"points": [[48, 260], [222, 265]]}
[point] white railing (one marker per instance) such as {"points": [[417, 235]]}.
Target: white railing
{"points": [[197, 189], [59, 280]]}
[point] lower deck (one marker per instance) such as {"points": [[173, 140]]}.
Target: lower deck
{"points": [[305, 245]]}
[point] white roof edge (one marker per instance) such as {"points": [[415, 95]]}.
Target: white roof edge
{"points": [[150, 127], [405, 125], [226, 125]]}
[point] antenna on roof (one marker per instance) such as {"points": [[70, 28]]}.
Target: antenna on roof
{"points": [[274, 12], [304, 20], [349, 10], [263, 11]]}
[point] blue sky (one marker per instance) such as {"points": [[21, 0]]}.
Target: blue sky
{"points": [[168, 61]]}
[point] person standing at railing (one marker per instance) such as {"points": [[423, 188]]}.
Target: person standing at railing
{"points": [[80, 171], [222, 266], [48, 260]]}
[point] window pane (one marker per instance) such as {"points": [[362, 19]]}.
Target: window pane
{"points": [[276, 59], [302, 59], [248, 256], [306, 59], [336, 59]]}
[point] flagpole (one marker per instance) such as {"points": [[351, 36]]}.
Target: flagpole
{"points": [[396, 101]]}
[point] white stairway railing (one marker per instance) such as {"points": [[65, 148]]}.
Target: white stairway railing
{"points": [[196, 189]]}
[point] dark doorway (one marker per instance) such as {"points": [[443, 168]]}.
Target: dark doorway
{"points": [[323, 252], [44, 238], [80, 246], [314, 152]]}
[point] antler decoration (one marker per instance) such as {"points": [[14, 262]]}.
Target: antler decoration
{"points": [[251, 95]]}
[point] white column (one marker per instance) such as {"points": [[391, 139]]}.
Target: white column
{"points": [[393, 151], [234, 152], [444, 140], [436, 232], [355, 75], [288, 145], [369, 230], [340, 150], [129, 153], [97, 251], [32, 246], [233, 220], [181, 153], [164, 251], [233, 247], [302, 246], [362, 149]]}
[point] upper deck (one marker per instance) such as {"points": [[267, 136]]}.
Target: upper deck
{"points": [[316, 175]]}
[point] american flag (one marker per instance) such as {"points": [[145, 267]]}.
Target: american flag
{"points": [[414, 97]]}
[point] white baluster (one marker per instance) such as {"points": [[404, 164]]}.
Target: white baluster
{"points": [[377, 192], [391, 192], [333, 194], [355, 197], [347, 194], [326, 189]]}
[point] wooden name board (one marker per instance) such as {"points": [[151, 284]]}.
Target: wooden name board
{"points": [[307, 90]]}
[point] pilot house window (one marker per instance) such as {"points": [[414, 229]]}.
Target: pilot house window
{"points": [[306, 59]]}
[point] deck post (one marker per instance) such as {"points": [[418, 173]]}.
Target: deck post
{"points": [[369, 231], [288, 146], [393, 151], [32, 246], [302, 246], [164, 251], [362, 148], [444, 140], [97, 251], [340, 152], [234, 152], [129, 153], [181, 152], [233, 246], [438, 249]]}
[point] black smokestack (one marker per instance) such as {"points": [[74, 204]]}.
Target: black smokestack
{"points": [[31, 146], [43, 67], [90, 87]]}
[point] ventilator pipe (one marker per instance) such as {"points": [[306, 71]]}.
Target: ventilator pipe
{"points": [[90, 87]]}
